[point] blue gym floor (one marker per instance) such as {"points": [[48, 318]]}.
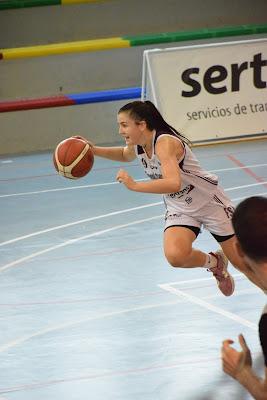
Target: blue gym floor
{"points": [[90, 309]]}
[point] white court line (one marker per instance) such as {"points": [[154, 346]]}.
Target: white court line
{"points": [[114, 183], [54, 328], [200, 280], [240, 292], [244, 197], [112, 373], [23, 339], [6, 162], [234, 168], [79, 222], [71, 241], [208, 306], [30, 256], [245, 186], [17, 239], [67, 188]]}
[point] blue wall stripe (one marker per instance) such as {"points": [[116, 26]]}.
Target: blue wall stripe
{"points": [[106, 95]]}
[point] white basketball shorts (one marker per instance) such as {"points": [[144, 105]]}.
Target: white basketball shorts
{"points": [[215, 216]]}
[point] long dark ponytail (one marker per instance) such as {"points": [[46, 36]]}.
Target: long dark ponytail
{"points": [[148, 112]]}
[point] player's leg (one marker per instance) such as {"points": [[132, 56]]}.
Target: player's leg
{"points": [[178, 247], [179, 252], [180, 232], [216, 217]]}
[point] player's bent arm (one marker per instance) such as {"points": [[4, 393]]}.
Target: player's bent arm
{"points": [[123, 154], [168, 150], [256, 386]]}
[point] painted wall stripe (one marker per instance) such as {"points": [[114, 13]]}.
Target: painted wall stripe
{"points": [[71, 99], [63, 2], [169, 37], [31, 104], [106, 95], [11, 4], [129, 41], [63, 48]]}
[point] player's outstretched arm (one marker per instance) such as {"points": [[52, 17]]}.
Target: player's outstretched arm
{"points": [[123, 154], [116, 153]]}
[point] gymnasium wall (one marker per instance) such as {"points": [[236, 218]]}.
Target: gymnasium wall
{"points": [[108, 18], [38, 130]]}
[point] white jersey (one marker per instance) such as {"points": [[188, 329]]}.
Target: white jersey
{"points": [[197, 185]]}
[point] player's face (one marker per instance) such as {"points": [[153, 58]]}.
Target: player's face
{"points": [[131, 130]]}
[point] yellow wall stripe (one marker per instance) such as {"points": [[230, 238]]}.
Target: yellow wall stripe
{"points": [[62, 48], [130, 41]]}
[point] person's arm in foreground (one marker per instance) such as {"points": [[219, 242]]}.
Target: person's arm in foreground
{"points": [[238, 364]]}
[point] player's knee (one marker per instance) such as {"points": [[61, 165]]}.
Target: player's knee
{"points": [[176, 258]]}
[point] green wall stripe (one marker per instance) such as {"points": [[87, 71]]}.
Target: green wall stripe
{"points": [[180, 36], [130, 41], [9, 4]]}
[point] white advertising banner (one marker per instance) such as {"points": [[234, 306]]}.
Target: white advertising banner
{"points": [[210, 92]]}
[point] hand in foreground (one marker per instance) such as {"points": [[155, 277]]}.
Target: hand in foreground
{"points": [[233, 361], [126, 179]]}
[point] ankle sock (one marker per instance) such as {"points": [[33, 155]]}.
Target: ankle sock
{"points": [[211, 261]]}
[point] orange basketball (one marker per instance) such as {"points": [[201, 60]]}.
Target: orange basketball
{"points": [[73, 158]]}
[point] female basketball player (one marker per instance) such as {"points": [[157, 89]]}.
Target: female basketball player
{"points": [[191, 195]]}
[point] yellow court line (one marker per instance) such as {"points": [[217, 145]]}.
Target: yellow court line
{"points": [[62, 48]]}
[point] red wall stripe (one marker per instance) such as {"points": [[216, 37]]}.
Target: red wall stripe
{"points": [[57, 101]]}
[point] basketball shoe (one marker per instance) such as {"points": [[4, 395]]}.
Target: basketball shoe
{"points": [[224, 280]]}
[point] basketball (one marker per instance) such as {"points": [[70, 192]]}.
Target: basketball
{"points": [[73, 158]]}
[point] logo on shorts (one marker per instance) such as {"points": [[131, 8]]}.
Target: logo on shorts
{"points": [[229, 211], [169, 216], [188, 200], [182, 192]]}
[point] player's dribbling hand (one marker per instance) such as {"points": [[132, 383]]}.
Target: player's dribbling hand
{"points": [[234, 361], [126, 179], [83, 138]]}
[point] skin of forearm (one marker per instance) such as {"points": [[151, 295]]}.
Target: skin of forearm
{"points": [[157, 186], [111, 153], [255, 386]]}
